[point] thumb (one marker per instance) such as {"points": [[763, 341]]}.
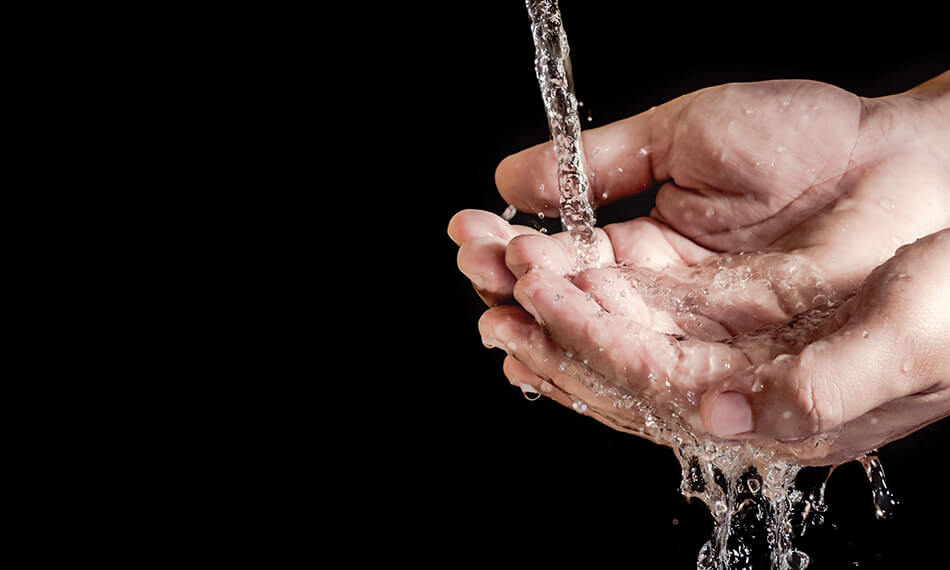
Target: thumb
{"points": [[832, 381]]}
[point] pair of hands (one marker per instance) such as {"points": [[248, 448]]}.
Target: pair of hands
{"points": [[776, 200]]}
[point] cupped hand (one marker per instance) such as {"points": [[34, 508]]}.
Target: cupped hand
{"points": [[818, 185]]}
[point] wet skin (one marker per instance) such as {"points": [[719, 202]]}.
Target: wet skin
{"points": [[818, 189]]}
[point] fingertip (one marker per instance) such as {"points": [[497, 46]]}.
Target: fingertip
{"points": [[535, 250], [527, 180], [727, 415]]}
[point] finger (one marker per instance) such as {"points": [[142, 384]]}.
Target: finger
{"points": [[556, 253], [646, 242], [516, 332], [530, 383], [538, 362], [470, 224], [527, 251], [617, 347], [625, 158], [616, 293], [482, 260]]}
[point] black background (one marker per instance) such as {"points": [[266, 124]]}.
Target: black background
{"points": [[473, 470]]}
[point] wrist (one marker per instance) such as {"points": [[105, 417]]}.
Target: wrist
{"points": [[917, 120]]}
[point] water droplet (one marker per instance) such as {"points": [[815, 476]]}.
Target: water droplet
{"points": [[787, 415], [797, 560], [651, 377], [710, 212], [579, 406], [887, 203], [885, 502], [907, 365], [676, 522], [509, 213], [541, 187], [596, 150], [604, 196], [529, 392], [865, 334], [558, 298], [643, 151], [754, 485], [540, 215], [781, 149], [758, 386], [619, 170], [749, 111]]}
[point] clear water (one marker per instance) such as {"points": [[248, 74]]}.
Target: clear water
{"points": [[553, 68], [749, 487]]}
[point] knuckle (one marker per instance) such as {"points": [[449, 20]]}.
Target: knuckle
{"points": [[819, 402]]}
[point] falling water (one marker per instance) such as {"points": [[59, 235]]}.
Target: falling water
{"points": [[553, 68]]}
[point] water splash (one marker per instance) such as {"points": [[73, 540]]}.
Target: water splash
{"points": [[553, 69]]}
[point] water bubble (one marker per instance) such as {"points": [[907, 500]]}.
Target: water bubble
{"points": [[540, 215], [579, 406], [541, 188], [619, 170], [907, 365], [558, 298], [710, 212], [651, 377], [509, 213], [865, 334], [887, 203]]}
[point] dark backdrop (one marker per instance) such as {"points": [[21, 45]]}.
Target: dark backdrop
{"points": [[477, 471]]}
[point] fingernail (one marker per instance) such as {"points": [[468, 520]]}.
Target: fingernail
{"points": [[731, 415]]}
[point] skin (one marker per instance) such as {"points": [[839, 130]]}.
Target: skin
{"points": [[774, 200]]}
